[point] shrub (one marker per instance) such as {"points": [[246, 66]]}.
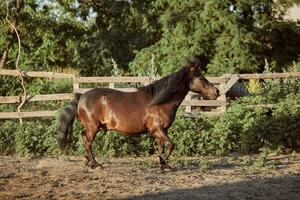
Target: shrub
{"points": [[7, 137], [35, 138]]}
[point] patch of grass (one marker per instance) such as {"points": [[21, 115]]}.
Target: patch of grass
{"points": [[145, 164], [205, 165]]}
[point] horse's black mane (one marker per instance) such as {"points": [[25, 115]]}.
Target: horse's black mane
{"points": [[163, 89]]}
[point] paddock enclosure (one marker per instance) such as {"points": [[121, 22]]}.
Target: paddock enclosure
{"points": [[235, 176], [81, 84]]}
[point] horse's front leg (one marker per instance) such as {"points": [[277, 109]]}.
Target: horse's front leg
{"points": [[163, 139], [161, 151]]}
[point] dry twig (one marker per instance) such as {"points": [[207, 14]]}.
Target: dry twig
{"points": [[17, 63]]}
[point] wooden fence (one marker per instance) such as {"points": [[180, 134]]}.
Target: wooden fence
{"points": [[224, 83]]}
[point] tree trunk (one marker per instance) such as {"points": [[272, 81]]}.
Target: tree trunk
{"points": [[5, 55]]}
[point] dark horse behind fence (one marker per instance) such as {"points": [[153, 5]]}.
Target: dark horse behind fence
{"points": [[151, 108]]}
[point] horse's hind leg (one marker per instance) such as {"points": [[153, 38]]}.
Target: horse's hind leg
{"points": [[88, 141]]}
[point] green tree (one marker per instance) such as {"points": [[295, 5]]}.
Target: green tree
{"points": [[227, 36], [48, 39], [117, 29]]}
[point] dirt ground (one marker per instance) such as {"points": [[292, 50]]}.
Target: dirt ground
{"points": [[233, 177]]}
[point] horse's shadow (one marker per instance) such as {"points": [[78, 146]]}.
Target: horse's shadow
{"points": [[284, 187]]}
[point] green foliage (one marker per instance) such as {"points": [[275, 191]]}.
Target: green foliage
{"points": [[227, 36], [7, 137], [286, 117], [204, 165], [276, 90], [34, 139], [254, 127]]}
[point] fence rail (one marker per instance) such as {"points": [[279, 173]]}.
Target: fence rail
{"points": [[224, 83], [30, 98], [269, 75], [36, 74], [17, 115]]}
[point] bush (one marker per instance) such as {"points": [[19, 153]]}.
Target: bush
{"points": [[7, 137], [35, 138], [284, 126]]}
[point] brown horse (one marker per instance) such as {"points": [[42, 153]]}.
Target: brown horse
{"points": [[150, 108]]}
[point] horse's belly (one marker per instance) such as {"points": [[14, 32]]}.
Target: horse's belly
{"points": [[127, 124]]}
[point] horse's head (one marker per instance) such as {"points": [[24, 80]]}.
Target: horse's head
{"points": [[198, 83]]}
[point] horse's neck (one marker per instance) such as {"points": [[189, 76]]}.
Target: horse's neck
{"points": [[179, 97]]}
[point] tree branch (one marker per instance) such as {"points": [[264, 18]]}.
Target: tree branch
{"points": [[18, 57]]}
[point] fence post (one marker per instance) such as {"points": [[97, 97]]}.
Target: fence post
{"points": [[111, 85], [149, 80], [188, 109], [223, 93], [75, 84]]}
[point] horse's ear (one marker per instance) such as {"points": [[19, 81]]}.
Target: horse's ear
{"points": [[193, 64], [196, 62], [192, 69]]}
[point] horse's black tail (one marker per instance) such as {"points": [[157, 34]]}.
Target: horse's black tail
{"points": [[65, 123]]}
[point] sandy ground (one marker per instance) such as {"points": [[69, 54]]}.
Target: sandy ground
{"points": [[234, 177]]}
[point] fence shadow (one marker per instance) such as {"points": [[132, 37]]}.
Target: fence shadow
{"points": [[284, 188]]}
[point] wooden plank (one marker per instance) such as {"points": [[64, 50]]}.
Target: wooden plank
{"points": [[213, 80], [269, 106], [9, 99], [83, 90], [212, 113], [121, 79], [203, 103], [52, 113], [130, 79], [51, 97], [204, 113], [233, 79], [6, 72], [270, 75], [137, 79], [16, 115], [45, 97]]}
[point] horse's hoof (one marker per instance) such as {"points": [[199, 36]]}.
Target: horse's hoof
{"points": [[166, 168], [86, 162], [63, 158], [95, 165]]}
